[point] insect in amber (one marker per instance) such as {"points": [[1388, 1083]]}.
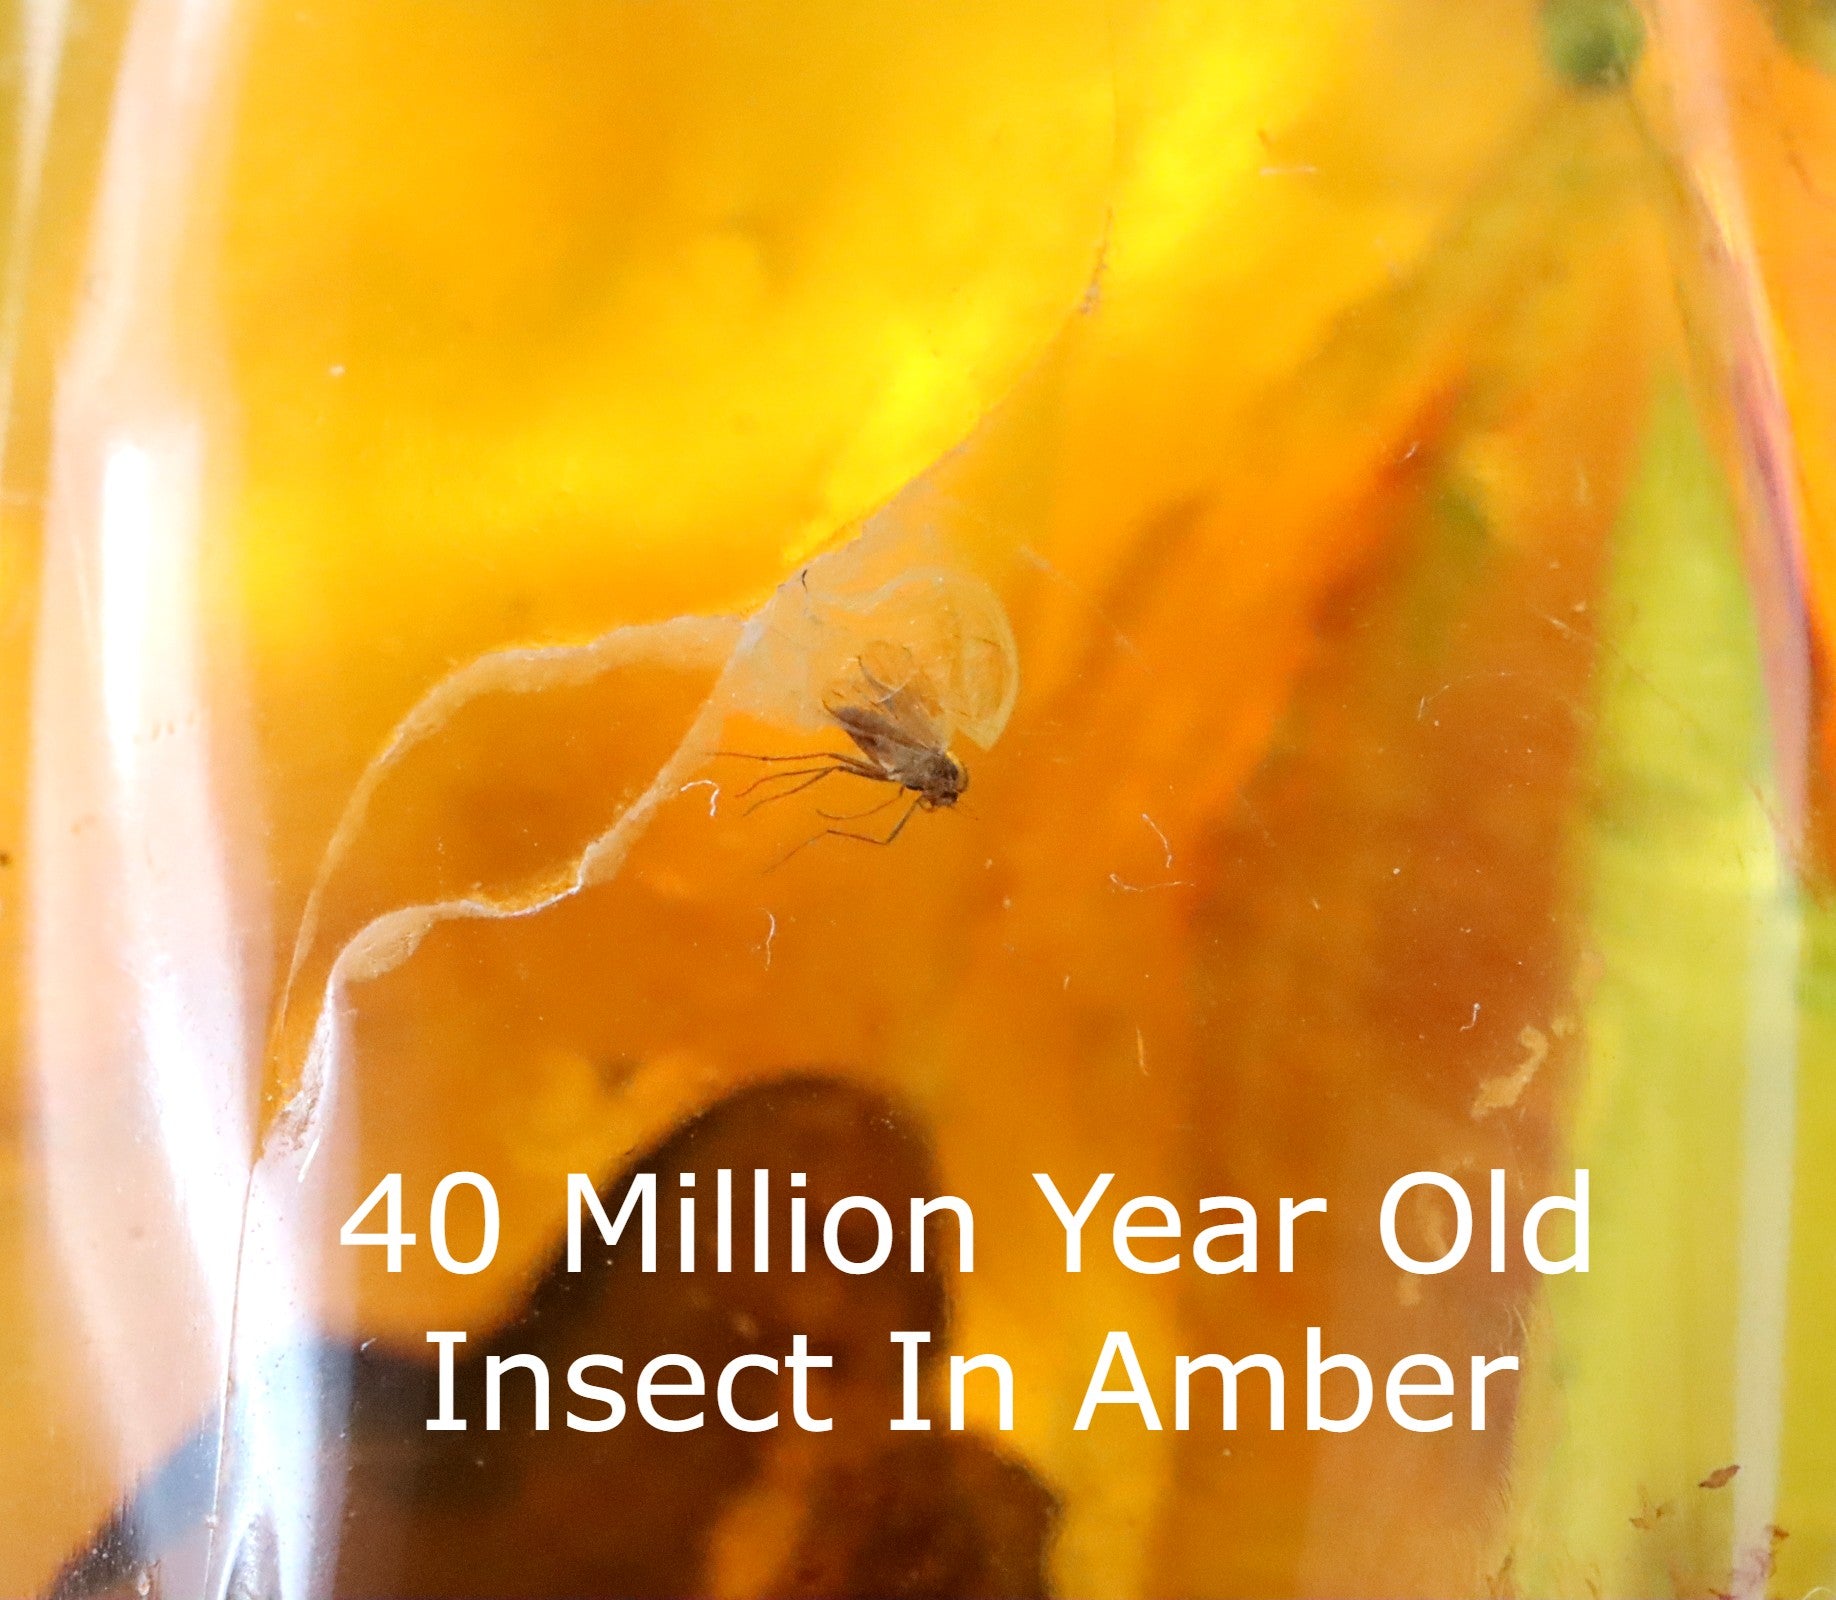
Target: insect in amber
{"points": [[890, 711]]}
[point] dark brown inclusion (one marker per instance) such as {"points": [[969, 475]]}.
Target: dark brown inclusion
{"points": [[637, 1512]]}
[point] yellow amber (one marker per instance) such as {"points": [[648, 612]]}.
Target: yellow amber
{"points": [[1351, 482]]}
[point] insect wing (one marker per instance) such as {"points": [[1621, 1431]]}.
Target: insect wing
{"points": [[890, 679], [884, 668], [883, 741], [913, 710]]}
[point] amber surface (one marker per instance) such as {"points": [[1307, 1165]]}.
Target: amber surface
{"points": [[1353, 482]]}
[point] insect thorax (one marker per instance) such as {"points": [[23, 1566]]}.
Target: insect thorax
{"points": [[939, 777]]}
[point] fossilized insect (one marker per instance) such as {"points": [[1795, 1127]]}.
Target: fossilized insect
{"points": [[890, 711]]}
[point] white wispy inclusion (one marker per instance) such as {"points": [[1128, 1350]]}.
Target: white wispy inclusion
{"points": [[890, 585]]}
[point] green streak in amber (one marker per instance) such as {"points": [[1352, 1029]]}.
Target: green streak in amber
{"points": [[1662, 1366]]}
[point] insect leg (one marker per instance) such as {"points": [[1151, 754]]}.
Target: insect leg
{"points": [[785, 794], [843, 833], [798, 780], [909, 811], [855, 816], [832, 763], [778, 777], [751, 755], [868, 838]]}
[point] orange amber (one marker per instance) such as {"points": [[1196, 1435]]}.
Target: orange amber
{"points": [[916, 593]]}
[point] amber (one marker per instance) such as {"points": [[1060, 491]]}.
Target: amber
{"points": [[1311, 522]]}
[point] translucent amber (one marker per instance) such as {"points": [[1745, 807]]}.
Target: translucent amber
{"points": [[1323, 518]]}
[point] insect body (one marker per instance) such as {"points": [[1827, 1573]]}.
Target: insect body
{"points": [[892, 716]]}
